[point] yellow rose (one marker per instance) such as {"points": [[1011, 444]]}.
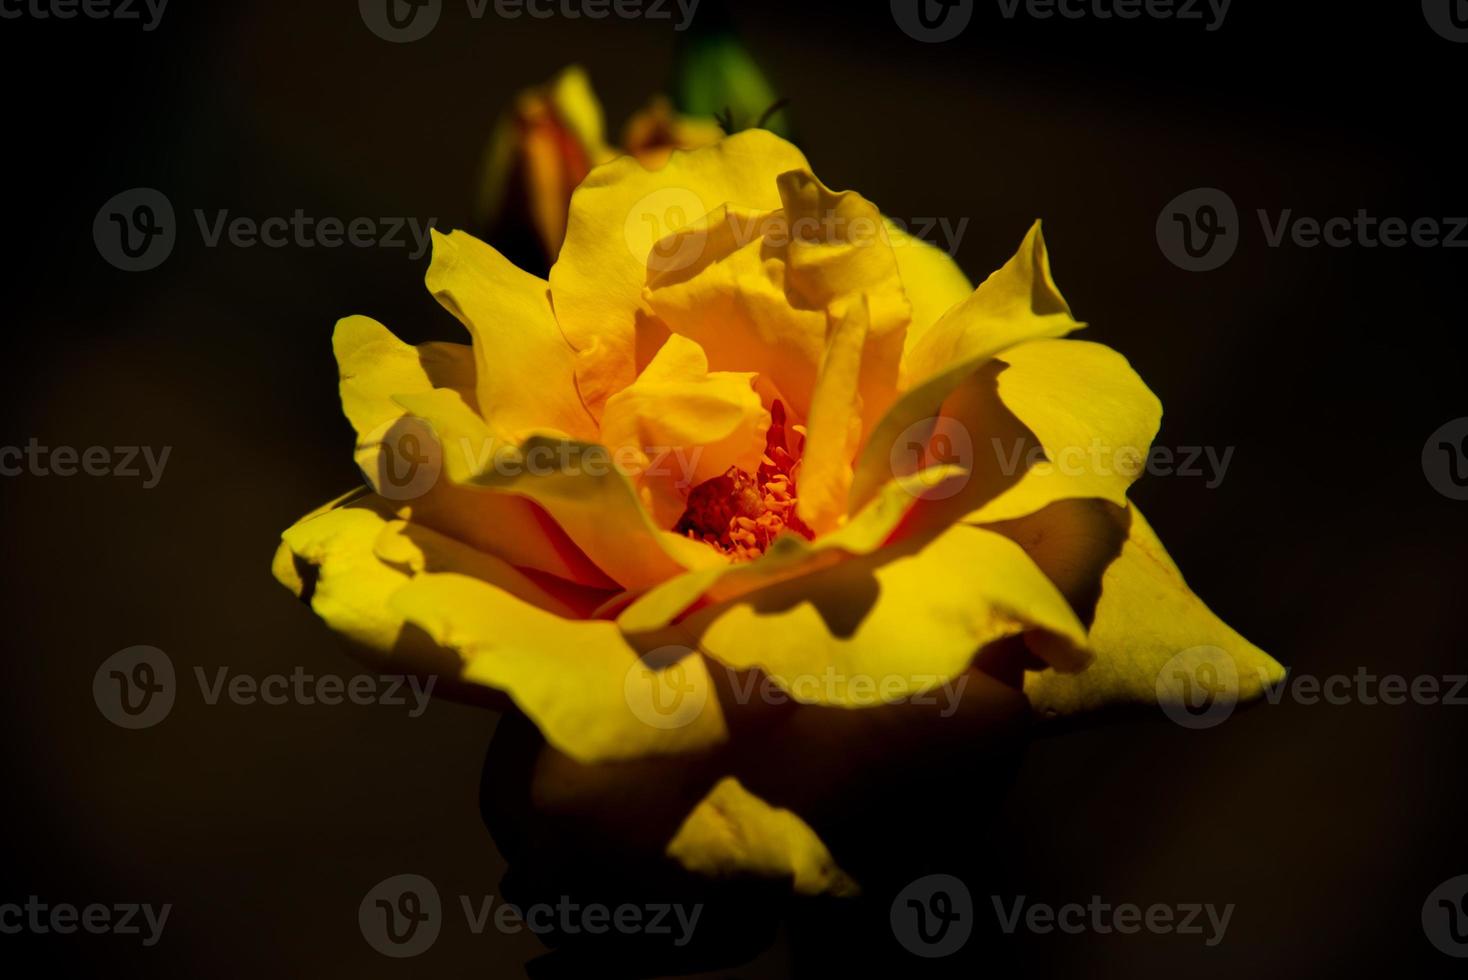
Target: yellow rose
{"points": [[748, 429]]}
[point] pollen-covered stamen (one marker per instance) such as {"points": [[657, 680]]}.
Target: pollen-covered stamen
{"points": [[741, 513]]}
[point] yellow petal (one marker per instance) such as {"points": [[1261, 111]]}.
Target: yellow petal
{"points": [[577, 680], [839, 256], [788, 557], [895, 623], [721, 281], [756, 290], [733, 833], [349, 557], [1146, 617], [526, 379], [834, 424], [581, 487], [933, 282], [1089, 411], [1045, 421], [376, 367], [417, 550], [349, 587], [1073, 541], [684, 425], [1018, 302], [617, 214]]}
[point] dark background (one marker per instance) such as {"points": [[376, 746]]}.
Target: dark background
{"points": [[1327, 369]]}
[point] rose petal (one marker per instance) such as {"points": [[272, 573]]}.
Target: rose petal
{"points": [[898, 622], [375, 367], [933, 282], [732, 832], [1018, 302], [617, 214], [1146, 615], [756, 291], [526, 377], [834, 424], [689, 424], [569, 677], [579, 485]]}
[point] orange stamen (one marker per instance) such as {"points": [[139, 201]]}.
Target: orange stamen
{"points": [[741, 513]]}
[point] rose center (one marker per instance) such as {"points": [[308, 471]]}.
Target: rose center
{"points": [[740, 513]]}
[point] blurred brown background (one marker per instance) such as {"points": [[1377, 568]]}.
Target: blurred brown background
{"points": [[1327, 369]]}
